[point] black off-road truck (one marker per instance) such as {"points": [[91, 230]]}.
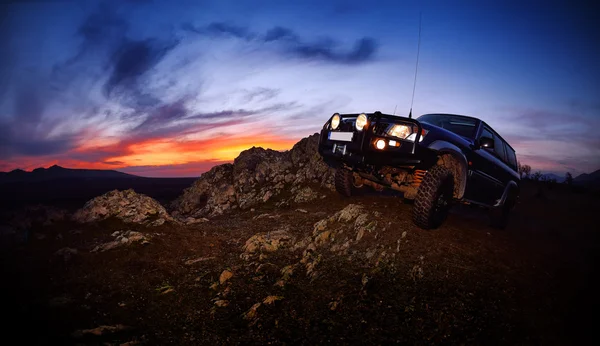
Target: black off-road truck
{"points": [[435, 160]]}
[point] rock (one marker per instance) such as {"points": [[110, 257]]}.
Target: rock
{"points": [[190, 220], [271, 299], [125, 238], [222, 303], [99, 331], [127, 205], [252, 312], [256, 176], [66, 253], [360, 234], [168, 290], [196, 260], [225, 275], [322, 237], [266, 242], [350, 212], [305, 195]]}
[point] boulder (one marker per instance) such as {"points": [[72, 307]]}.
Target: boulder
{"points": [[127, 205]]}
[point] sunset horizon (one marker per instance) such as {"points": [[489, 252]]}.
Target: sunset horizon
{"points": [[145, 86]]}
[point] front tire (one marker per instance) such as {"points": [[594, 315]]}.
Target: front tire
{"points": [[434, 198], [344, 182]]}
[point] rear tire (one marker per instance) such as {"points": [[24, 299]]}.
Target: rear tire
{"points": [[344, 180], [499, 216], [434, 198]]}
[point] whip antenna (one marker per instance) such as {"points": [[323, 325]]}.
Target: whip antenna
{"points": [[416, 69]]}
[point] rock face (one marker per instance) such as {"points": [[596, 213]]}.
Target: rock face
{"points": [[256, 176], [127, 205]]}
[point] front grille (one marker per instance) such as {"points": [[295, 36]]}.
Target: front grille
{"points": [[379, 129], [347, 125]]}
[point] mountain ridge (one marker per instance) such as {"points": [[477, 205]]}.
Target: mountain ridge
{"points": [[57, 172]]}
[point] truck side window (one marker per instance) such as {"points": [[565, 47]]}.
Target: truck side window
{"points": [[510, 157], [499, 148], [498, 143], [487, 133]]}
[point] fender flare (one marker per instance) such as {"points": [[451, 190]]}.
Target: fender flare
{"points": [[444, 147]]}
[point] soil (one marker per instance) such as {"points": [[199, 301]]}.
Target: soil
{"points": [[463, 283]]}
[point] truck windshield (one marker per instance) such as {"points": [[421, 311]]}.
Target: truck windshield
{"points": [[462, 126]]}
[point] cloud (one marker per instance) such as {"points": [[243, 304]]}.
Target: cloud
{"points": [[191, 169], [26, 133], [221, 29], [555, 141], [261, 95], [132, 60], [292, 45]]}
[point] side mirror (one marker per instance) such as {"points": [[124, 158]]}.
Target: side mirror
{"points": [[486, 143]]}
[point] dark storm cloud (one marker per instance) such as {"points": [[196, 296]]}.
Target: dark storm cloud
{"points": [[132, 60], [106, 46], [325, 49]]}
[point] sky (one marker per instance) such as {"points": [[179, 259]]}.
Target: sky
{"points": [[172, 88]]}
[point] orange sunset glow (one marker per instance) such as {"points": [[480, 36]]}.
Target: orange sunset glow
{"points": [[167, 152]]}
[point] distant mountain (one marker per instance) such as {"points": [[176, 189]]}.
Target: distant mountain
{"points": [[550, 176], [57, 172], [591, 179]]}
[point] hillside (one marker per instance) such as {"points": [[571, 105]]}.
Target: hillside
{"points": [[591, 179], [262, 251]]}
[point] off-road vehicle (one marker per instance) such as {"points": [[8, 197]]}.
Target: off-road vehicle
{"points": [[435, 160]]}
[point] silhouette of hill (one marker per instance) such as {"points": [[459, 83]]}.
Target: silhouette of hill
{"points": [[58, 172], [588, 179]]}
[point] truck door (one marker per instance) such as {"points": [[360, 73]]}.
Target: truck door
{"points": [[485, 181]]}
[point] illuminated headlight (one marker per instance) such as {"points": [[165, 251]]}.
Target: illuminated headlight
{"points": [[380, 144], [400, 131], [335, 121], [406, 132], [361, 121]]}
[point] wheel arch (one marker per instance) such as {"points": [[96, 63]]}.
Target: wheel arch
{"points": [[452, 158]]}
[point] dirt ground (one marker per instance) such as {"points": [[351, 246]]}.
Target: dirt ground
{"points": [[464, 283]]}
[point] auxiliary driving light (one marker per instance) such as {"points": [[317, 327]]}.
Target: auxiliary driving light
{"points": [[335, 121], [380, 144], [361, 121]]}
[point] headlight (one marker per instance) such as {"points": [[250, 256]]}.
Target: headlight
{"points": [[400, 131], [335, 121], [408, 133], [361, 121]]}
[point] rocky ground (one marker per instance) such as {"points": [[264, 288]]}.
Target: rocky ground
{"points": [[224, 264]]}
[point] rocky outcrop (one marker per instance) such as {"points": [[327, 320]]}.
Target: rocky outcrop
{"points": [[127, 205], [257, 176], [122, 239]]}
